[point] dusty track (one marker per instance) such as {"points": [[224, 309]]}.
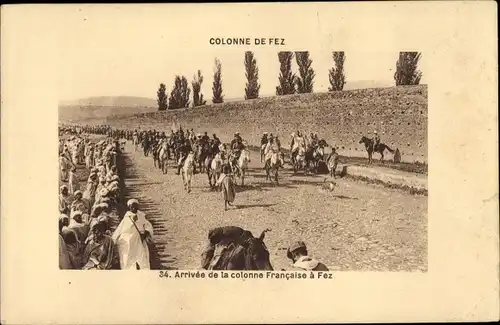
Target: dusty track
{"points": [[356, 227]]}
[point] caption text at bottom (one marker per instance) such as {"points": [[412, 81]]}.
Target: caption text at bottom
{"points": [[244, 275]]}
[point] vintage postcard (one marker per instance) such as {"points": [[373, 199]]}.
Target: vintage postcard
{"points": [[300, 162]]}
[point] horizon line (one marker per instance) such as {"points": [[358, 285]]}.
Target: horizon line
{"points": [[321, 90]]}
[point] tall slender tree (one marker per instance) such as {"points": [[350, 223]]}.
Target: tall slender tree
{"points": [[286, 78], [305, 81], [197, 96], [407, 72], [217, 84], [162, 97], [252, 74], [179, 96], [336, 73], [185, 92]]}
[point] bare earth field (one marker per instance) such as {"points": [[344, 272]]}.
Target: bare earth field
{"points": [[358, 226]]}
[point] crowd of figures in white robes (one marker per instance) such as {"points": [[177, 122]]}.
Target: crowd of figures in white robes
{"points": [[96, 230]]}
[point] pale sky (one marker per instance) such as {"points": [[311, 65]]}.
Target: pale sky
{"points": [[121, 53]]}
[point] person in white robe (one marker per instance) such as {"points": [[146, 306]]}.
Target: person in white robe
{"points": [[131, 238], [64, 166], [73, 182]]}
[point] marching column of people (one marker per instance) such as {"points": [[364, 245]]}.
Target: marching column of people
{"points": [[86, 236], [93, 233]]}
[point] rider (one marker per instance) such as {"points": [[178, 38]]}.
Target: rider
{"points": [[376, 140], [184, 150], [278, 142], [292, 141], [264, 139], [313, 140], [236, 147], [271, 147], [216, 140], [297, 142], [205, 138], [198, 139], [237, 138]]}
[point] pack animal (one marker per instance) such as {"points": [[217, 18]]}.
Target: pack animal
{"points": [[236, 249]]}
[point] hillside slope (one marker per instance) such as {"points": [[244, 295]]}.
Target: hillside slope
{"points": [[398, 113]]}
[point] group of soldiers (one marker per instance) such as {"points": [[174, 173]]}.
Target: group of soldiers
{"points": [[271, 144], [181, 142]]}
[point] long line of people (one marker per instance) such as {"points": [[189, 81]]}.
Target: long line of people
{"points": [[94, 231], [86, 223]]}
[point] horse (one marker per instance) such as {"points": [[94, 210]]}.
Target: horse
{"points": [[213, 166], [300, 160], [369, 146], [332, 162], [242, 164], [135, 141], [188, 171], [272, 166], [146, 146], [163, 157], [177, 150], [202, 152], [313, 156], [154, 153], [233, 248], [262, 149]]}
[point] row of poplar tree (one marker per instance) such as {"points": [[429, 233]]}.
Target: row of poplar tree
{"points": [[407, 73]]}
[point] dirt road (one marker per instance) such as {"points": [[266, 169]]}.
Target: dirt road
{"points": [[356, 227]]}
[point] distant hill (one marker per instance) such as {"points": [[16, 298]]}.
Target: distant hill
{"points": [[114, 101], [103, 106]]}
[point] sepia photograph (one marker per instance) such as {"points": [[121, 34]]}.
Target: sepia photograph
{"points": [[305, 160], [260, 163]]}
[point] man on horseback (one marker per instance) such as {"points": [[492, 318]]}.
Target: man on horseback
{"points": [[215, 144], [236, 147], [237, 138], [184, 150], [146, 142], [205, 138], [376, 140], [271, 148], [277, 141], [264, 139], [197, 140], [216, 140], [297, 141], [313, 140]]}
